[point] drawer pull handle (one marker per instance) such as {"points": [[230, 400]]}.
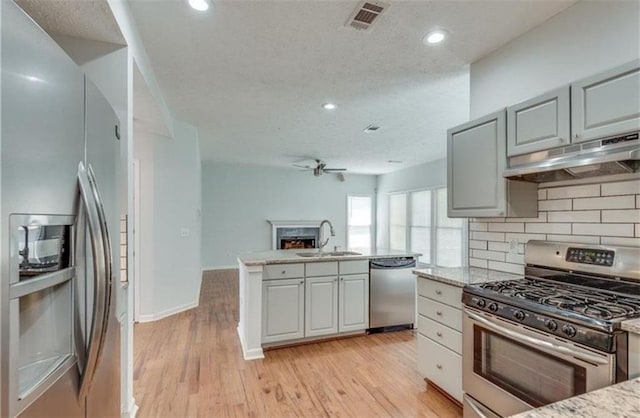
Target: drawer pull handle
{"points": [[439, 313], [439, 334], [438, 292], [439, 366]]}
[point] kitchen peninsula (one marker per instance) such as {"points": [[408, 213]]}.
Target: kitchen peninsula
{"points": [[342, 281]]}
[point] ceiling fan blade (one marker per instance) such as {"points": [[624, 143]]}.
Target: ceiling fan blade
{"points": [[304, 167], [334, 170]]}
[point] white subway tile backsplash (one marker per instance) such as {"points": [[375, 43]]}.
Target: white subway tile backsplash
{"points": [[488, 236], [562, 204], [477, 245], [542, 194], [488, 255], [585, 190], [499, 246], [614, 202], [508, 267], [607, 213], [476, 262], [477, 226], [506, 227], [549, 228], [621, 188], [581, 239], [612, 230], [515, 258], [575, 216], [523, 238], [628, 242], [623, 215]]}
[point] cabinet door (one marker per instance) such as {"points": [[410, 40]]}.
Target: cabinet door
{"points": [[539, 123], [606, 104], [353, 307], [282, 310], [321, 306], [476, 158]]}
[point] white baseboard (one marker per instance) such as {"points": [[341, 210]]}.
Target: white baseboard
{"points": [[253, 354], [168, 312], [229, 267]]}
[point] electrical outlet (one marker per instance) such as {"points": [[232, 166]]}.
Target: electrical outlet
{"points": [[184, 232], [513, 246]]}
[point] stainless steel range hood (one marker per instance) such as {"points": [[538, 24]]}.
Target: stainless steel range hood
{"points": [[589, 159]]}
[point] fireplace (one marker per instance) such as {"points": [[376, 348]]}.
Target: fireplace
{"points": [[295, 234]]}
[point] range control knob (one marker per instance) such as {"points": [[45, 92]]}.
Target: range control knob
{"points": [[569, 330], [493, 307], [519, 315], [551, 325], [481, 303]]}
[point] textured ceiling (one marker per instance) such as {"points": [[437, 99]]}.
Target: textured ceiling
{"points": [[85, 19], [252, 75]]}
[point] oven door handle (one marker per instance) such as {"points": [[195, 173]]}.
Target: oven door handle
{"points": [[581, 355]]}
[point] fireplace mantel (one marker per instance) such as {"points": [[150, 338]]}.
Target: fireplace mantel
{"points": [[276, 225]]}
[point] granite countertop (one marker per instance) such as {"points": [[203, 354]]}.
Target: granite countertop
{"points": [[632, 325], [461, 276], [617, 401], [291, 256]]}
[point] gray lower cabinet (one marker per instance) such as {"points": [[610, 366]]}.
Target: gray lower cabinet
{"points": [[606, 104], [476, 158], [282, 309], [353, 305], [321, 307], [539, 123]]}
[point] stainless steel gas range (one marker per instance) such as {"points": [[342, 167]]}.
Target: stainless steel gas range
{"points": [[553, 334]]}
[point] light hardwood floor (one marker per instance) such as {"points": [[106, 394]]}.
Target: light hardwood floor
{"points": [[190, 365]]}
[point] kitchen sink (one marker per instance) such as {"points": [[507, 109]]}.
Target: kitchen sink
{"points": [[328, 254]]}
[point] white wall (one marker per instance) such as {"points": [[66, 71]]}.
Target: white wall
{"points": [[170, 206], [427, 175], [237, 200], [589, 37]]}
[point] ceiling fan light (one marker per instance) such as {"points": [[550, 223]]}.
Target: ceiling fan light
{"points": [[199, 5]]}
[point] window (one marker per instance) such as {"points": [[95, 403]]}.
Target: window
{"points": [[398, 221], [418, 221], [359, 221]]}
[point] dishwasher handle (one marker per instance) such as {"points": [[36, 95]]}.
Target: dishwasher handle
{"points": [[392, 263]]}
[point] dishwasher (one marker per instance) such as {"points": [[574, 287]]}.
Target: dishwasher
{"points": [[392, 294]]}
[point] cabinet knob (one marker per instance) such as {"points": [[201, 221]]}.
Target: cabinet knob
{"points": [[439, 366], [301, 281], [576, 136], [438, 292], [342, 279], [439, 334], [284, 271], [439, 313]]}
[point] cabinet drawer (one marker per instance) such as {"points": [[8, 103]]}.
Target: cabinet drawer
{"points": [[283, 271], [441, 366], [444, 335], [327, 268], [354, 267], [440, 312], [444, 293]]}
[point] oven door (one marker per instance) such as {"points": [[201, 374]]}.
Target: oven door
{"points": [[510, 368]]}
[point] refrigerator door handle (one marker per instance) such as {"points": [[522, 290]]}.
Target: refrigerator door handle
{"points": [[100, 270]]}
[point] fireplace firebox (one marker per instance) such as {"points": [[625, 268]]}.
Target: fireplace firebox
{"points": [[295, 234]]}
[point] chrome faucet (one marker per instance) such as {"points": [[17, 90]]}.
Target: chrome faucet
{"points": [[323, 243]]}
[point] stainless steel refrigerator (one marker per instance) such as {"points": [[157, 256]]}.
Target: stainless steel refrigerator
{"points": [[59, 232]]}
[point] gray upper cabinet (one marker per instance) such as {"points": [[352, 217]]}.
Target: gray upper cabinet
{"points": [[606, 104], [476, 157], [539, 123]]}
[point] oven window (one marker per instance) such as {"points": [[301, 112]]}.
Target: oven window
{"points": [[536, 377]]}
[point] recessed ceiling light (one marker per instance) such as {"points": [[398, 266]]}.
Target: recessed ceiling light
{"points": [[329, 106], [199, 5], [434, 37]]}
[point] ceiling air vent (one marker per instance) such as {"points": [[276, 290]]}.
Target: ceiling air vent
{"points": [[366, 14]]}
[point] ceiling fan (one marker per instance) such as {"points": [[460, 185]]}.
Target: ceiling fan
{"points": [[318, 167]]}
